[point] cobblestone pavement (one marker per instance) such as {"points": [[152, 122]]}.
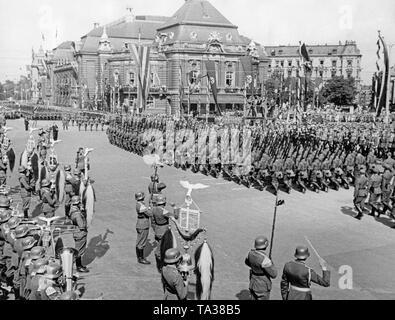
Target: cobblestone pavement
{"points": [[233, 215]]}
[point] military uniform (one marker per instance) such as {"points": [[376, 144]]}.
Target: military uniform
{"points": [[26, 192], [49, 201], [173, 284], [261, 272], [297, 278], [161, 225], [386, 189], [142, 228], [3, 171], [375, 190], [360, 192]]}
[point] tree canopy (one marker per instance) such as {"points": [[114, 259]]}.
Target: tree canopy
{"points": [[340, 91]]}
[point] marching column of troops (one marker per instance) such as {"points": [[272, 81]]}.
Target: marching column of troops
{"points": [[28, 267], [319, 157]]}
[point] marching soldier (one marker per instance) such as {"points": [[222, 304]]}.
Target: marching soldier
{"points": [[142, 227], [386, 189], [360, 191], [297, 277], [96, 123], [262, 270], [80, 237], [79, 123], [85, 123], [174, 286], [102, 122], [3, 170], [49, 286], [375, 190]]}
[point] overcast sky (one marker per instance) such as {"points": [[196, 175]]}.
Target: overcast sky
{"points": [[268, 22]]}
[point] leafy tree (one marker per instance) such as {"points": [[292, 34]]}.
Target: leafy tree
{"points": [[340, 91]]}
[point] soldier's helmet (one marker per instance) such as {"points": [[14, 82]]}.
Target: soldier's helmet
{"points": [[75, 200], [28, 243], [161, 186], [302, 253], [39, 265], [14, 222], [5, 202], [67, 168], [54, 271], [160, 200], [139, 196], [45, 183], [68, 295], [5, 216], [21, 231], [172, 256], [261, 243], [155, 178], [76, 172], [21, 169], [37, 253]]}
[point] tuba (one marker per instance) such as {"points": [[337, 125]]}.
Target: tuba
{"points": [[67, 258]]}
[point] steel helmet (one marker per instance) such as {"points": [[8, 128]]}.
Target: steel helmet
{"points": [[302, 253], [37, 253], [261, 243], [161, 186], [21, 231], [22, 169], [75, 200], [5, 215], [54, 271], [39, 265], [172, 256], [28, 243], [45, 183], [14, 222], [139, 196], [160, 200], [67, 168], [5, 202]]}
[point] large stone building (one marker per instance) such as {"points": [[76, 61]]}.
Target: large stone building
{"points": [[99, 72], [343, 59]]}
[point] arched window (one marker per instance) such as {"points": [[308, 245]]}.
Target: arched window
{"points": [[229, 79], [131, 79]]}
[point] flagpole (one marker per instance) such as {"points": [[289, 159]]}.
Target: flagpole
{"points": [[387, 100]]}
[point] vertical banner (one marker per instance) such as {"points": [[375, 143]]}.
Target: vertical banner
{"points": [[225, 146], [213, 146], [202, 145], [190, 146], [246, 147], [234, 145], [169, 153]]}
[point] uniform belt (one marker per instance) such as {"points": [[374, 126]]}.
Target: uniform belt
{"points": [[300, 289], [160, 225], [257, 274]]}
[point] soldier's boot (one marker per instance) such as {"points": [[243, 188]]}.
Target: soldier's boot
{"points": [[360, 213], [26, 213], [140, 255], [373, 210], [159, 264], [80, 267]]}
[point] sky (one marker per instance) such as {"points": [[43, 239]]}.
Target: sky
{"points": [[279, 22]]}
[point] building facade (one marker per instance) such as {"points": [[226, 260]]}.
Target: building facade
{"points": [[98, 72]]}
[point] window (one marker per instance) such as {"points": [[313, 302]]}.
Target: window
{"points": [[150, 102], [289, 63], [321, 62], [349, 73], [193, 76], [131, 79], [229, 79], [298, 63], [321, 74], [349, 63], [277, 63], [333, 73], [282, 63], [289, 73], [334, 63], [152, 78], [310, 51]]}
